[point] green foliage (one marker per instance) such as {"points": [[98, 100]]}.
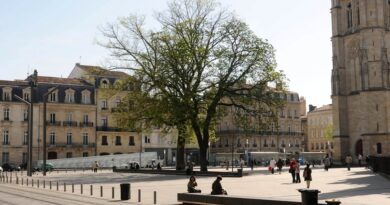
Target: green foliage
{"points": [[202, 61]]}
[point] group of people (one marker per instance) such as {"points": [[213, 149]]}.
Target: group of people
{"points": [[294, 170], [216, 187]]}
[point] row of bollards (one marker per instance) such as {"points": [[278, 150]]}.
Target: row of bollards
{"points": [[125, 193]]}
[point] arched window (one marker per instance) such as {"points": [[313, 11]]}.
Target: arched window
{"points": [[379, 148]]}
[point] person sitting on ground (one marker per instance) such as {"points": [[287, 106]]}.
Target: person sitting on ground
{"points": [[217, 187], [191, 186]]}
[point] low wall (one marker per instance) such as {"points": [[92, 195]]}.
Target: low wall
{"points": [[194, 198], [239, 173]]}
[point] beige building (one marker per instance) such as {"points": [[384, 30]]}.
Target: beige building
{"points": [[110, 138], [287, 138], [71, 112], [361, 77], [320, 130]]}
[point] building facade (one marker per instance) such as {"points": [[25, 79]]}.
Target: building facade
{"points": [[320, 130], [70, 118], [361, 77], [286, 138]]}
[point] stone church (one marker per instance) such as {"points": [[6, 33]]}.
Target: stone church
{"points": [[361, 77]]}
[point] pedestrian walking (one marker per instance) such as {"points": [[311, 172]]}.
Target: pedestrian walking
{"points": [[297, 173], [292, 169], [326, 163], [348, 160], [307, 175], [360, 157], [95, 165], [251, 164], [272, 165], [367, 162], [279, 164]]}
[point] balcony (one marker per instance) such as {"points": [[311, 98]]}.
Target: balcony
{"points": [[53, 123], [111, 129], [86, 124], [73, 145], [69, 123]]}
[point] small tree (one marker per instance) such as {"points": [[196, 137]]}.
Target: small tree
{"points": [[202, 59]]}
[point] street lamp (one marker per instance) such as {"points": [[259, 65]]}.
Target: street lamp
{"points": [[44, 128], [32, 82]]}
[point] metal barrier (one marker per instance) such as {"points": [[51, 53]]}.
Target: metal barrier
{"points": [[380, 164]]}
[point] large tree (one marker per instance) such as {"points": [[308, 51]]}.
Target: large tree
{"points": [[201, 59]]}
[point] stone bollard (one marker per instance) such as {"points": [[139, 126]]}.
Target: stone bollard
{"points": [[38, 183], [155, 197], [101, 191], [10, 179], [44, 184], [64, 187], [27, 182], [57, 186], [22, 181], [139, 195], [7, 179], [81, 188], [333, 202], [32, 182], [91, 189], [50, 184], [113, 192], [17, 180], [72, 188]]}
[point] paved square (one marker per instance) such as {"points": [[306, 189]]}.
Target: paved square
{"points": [[356, 187]]}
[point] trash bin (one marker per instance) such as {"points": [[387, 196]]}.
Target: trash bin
{"points": [[309, 196], [239, 172], [125, 191]]}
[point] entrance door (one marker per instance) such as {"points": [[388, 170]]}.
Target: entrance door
{"points": [[52, 155], [359, 148]]}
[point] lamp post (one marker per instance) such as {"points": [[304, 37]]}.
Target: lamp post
{"points": [[44, 128], [32, 81]]}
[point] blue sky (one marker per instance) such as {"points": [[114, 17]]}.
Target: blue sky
{"points": [[51, 36]]}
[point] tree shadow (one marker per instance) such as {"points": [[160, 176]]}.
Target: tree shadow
{"points": [[368, 183]]}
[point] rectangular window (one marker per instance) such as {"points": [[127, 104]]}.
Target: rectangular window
{"points": [[131, 141], [104, 105], [104, 122], [85, 98], [7, 96], [104, 140], [26, 96], [6, 114], [85, 154], [52, 138], [5, 157], [85, 138], [52, 117], [5, 137], [69, 155], [69, 138], [53, 97], [25, 115], [25, 138], [85, 119], [147, 139], [118, 140], [69, 117], [117, 101], [69, 97]]}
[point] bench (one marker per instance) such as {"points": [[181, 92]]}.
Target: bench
{"points": [[198, 198]]}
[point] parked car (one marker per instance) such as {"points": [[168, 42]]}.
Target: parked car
{"points": [[9, 167], [1, 169], [49, 167], [130, 165]]}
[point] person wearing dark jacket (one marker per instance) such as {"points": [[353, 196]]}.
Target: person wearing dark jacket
{"points": [[217, 187], [307, 175], [191, 186], [279, 164]]}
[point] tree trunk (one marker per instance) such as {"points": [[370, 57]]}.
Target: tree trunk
{"points": [[203, 157], [181, 141]]}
